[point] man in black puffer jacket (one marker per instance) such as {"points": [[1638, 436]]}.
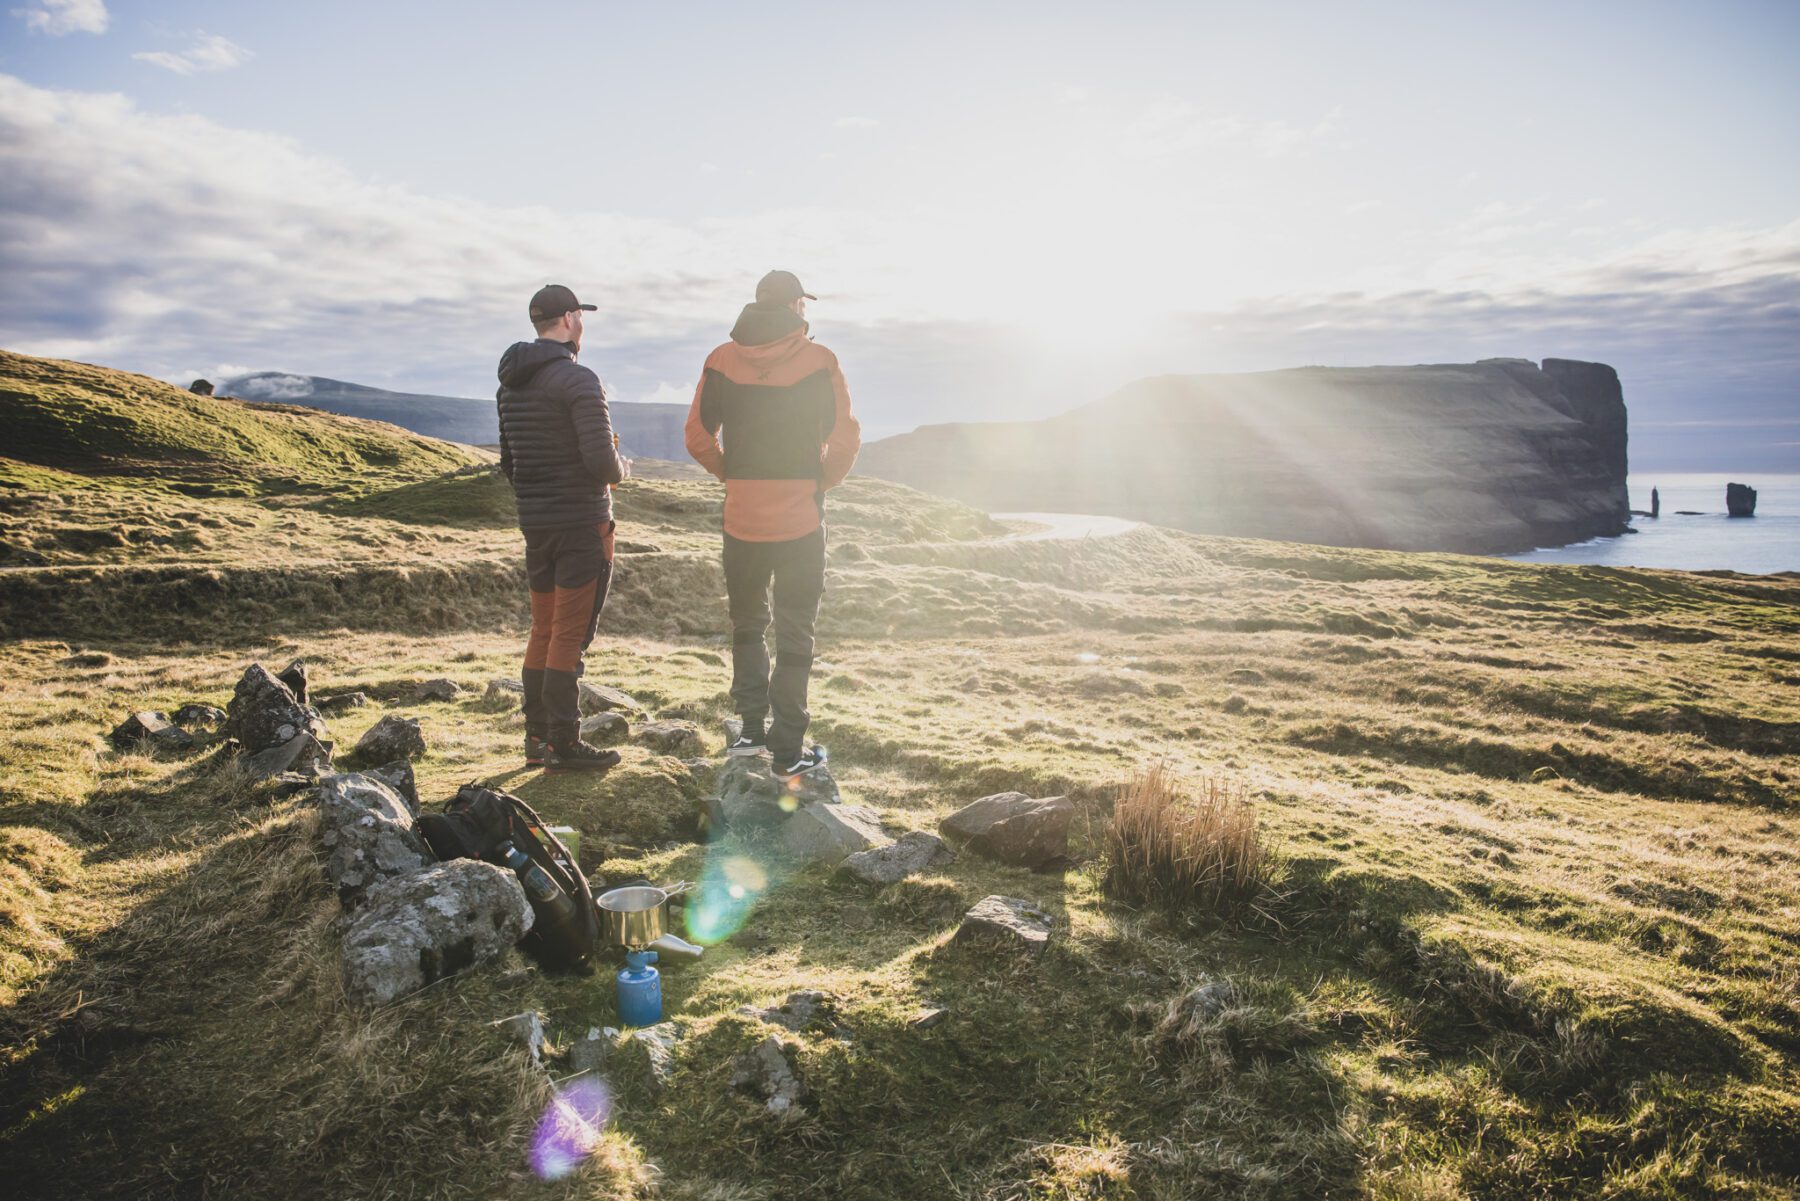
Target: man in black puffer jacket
{"points": [[558, 450]]}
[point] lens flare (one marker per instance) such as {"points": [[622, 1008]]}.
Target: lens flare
{"points": [[728, 890], [570, 1128]]}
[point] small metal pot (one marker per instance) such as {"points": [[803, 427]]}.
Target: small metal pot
{"points": [[636, 916]]}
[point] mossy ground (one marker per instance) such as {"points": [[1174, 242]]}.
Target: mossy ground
{"points": [[1536, 930]]}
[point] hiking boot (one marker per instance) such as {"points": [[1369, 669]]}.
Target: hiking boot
{"points": [[748, 744], [808, 760], [578, 756], [534, 750]]}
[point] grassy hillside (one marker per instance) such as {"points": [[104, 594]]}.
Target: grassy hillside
{"points": [[1535, 930], [97, 422]]}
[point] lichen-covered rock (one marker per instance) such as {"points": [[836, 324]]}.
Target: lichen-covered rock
{"points": [[196, 714], [745, 794], [264, 712], [343, 702], [395, 736], [368, 835], [399, 776], [1013, 828], [436, 921], [298, 679], [830, 833], [1007, 922], [679, 738], [598, 698], [503, 692], [808, 1009], [649, 1053], [908, 855]]}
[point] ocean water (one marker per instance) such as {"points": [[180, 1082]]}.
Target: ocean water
{"points": [[1758, 545]]}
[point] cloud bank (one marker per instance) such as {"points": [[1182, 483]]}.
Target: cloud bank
{"points": [[174, 245], [58, 17]]}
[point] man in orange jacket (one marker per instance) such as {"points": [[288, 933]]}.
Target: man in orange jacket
{"points": [[779, 403]]}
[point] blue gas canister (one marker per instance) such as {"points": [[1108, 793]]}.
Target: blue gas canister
{"points": [[640, 990]]}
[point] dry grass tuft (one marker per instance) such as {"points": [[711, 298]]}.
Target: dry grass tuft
{"points": [[1165, 847]]}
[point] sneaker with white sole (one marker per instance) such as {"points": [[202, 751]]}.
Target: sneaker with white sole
{"points": [[746, 745], [810, 760]]}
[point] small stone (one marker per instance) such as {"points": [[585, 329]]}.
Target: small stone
{"points": [[395, 736], [296, 677], [909, 855], [808, 1008], [509, 691], [1007, 921], [154, 728], [195, 714], [1014, 828], [300, 755], [765, 1072], [678, 738], [343, 702], [527, 1029], [597, 698], [603, 729], [654, 1048], [438, 690], [829, 833], [928, 1016], [291, 783], [589, 1052]]}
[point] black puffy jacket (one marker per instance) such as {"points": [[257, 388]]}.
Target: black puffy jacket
{"points": [[556, 439]]}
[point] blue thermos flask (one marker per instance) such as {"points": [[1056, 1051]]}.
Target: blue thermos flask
{"points": [[640, 990]]}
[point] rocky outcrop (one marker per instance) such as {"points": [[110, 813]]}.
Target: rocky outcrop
{"points": [[1499, 455], [367, 831], [1740, 500], [1013, 828], [908, 855], [421, 927], [264, 712]]}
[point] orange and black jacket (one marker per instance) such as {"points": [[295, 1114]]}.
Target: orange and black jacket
{"points": [[771, 417]]}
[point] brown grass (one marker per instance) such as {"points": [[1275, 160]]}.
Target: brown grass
{"points": [[1201, 851]]}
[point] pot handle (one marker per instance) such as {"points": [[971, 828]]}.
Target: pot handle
{"points": [[675, 890]]}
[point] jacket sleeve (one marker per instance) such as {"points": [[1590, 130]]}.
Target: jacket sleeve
{"points": [[593, 426], [506, 459], [845, 439], [702, 433]]}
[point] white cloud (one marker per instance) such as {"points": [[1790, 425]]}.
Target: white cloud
{"points": [[57, 17], [210, 53], [855, 123], [276, 387]]}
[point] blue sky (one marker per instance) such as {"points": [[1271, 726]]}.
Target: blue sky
{"points": [[1007, 209]]}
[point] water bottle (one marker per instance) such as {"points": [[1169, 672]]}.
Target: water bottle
{"points": [[640, 990], [558, 916]]}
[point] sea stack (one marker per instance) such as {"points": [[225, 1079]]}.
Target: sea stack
{"points": [[1655, 504], [1740, 500]]}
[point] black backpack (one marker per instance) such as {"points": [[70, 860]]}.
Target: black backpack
{"points": [[473, 825]]}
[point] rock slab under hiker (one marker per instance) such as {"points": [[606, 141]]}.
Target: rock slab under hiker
{"points": [[678, 738], [367, 831], [744, 794], [395, 736], [418, 928], [264, 712], [907, 855], [830, 833], [1007, 922], [765, 1072], [598, 698], [1013, 828]]}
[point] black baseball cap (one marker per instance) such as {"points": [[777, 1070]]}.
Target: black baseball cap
{"points": [[553, 300], [781, 287]]}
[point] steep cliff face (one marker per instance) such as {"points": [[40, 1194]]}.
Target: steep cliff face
{"points": [[1492, 456]]}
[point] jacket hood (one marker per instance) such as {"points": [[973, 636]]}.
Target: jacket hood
{"points": [[760, 324], [523, 360]]}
